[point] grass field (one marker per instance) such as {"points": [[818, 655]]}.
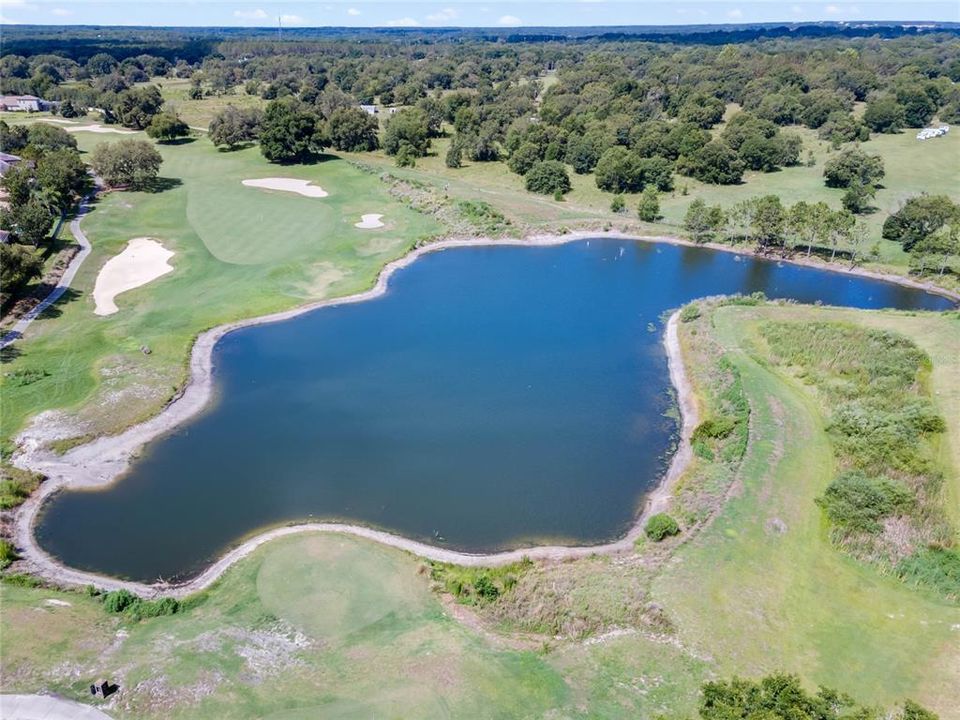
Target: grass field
{"points": [[757, 597], [912, 167], [239, 252], [340, 627]]}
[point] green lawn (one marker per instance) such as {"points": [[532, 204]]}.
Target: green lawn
{"points": [[758, 598], [240, 252]]}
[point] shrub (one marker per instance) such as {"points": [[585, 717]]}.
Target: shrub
{"points": [[477, 585], [689, 313], [660, 526], [117, 601], [617, 205], [8, 554], [856, 502], [935, 567]]}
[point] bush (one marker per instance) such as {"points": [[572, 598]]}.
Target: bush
{"points": [[116, 601], [477, 585], [8, 554], [660, 526], [617, 205], [547, 178], [935, 567], [690, 312], [852, 167], [856, 502]]}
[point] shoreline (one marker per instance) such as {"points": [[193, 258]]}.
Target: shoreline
{"points": [[44, 566], [99, 463]]}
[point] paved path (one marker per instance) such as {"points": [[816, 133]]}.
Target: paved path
{"points": [[46, 707], [16, 332]]}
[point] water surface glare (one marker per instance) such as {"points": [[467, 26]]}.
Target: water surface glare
{"points": [[494, 397]]}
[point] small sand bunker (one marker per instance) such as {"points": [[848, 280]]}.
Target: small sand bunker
{"points": [[370, 221], [141, 261], [98, 128], [59, 120], [303, 187], [56, 603]]}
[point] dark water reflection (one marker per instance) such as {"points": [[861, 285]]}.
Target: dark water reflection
{"points": [[495, 396]]}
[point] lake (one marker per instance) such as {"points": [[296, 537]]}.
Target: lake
{"points": [[495, 397]]}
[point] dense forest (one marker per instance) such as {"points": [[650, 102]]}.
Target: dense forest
{"points": [[635, 109]]}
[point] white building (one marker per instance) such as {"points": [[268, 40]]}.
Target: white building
{"points": [[7, 161], [23, 103], [369, 109]]}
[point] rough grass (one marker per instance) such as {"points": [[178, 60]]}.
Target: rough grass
{"points": [[240, 252], [762, 587]]}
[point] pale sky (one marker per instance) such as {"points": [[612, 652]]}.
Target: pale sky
{"points": [[473, 13]]}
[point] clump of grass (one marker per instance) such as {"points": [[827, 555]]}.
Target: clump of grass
{"points": [[21, 580], [937, 568], [136, 608], [483, 216], [24, 376], [8, 554], [478, 585], [884, 427], [16, 485], [689, 313]]}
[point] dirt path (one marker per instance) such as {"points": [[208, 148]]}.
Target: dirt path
{"points": [[16, 332], [46, 707]]}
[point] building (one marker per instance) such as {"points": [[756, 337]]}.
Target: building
{"points": [[370, 109], [7, 161], [23, 103]]}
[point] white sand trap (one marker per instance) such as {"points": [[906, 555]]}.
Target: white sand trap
{"points": [[368, 222], [59, 120], [98, 128], [56, 603], [303, 187], [141, 261]]}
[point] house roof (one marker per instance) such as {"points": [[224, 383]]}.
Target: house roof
{"points": [[7, 157]]}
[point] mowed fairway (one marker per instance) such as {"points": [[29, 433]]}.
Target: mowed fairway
{"points": [[759, 598], [238, 252]]}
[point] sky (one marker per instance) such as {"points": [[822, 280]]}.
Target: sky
{"points": [[471, 13]]}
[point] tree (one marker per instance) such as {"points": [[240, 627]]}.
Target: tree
{"points": [[409, 127], [702, 110], [62, 176], [703, 221], [30, 223], [131, 163], [783, 697], [853, 167], [289, 132], [918, 108], [715, 163], [353, 130], [808, 223], [43, 138], [406, 155], [857, 197], [454, 158], [840, 227], [18, 184], [135, 108], [233, 126], [548, 177], [583, 154], [649, 208], [101, 64], [884, 115], [621, 170], [919, 217], [769, 220], [19, 265], [167, 127], [938, 249], [524, 158]]}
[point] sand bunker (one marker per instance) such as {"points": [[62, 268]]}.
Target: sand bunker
{"points": [[98, 128], [369, 222], [143, 260], [303, 187], [59, 120]]}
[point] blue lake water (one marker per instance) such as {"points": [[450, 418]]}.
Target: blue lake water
{"points": [[494, 397]]}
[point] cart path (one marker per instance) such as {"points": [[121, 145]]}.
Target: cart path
{"points": [[16, 332]]}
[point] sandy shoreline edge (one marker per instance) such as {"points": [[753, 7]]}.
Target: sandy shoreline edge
{"points": [[100, 462]]}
